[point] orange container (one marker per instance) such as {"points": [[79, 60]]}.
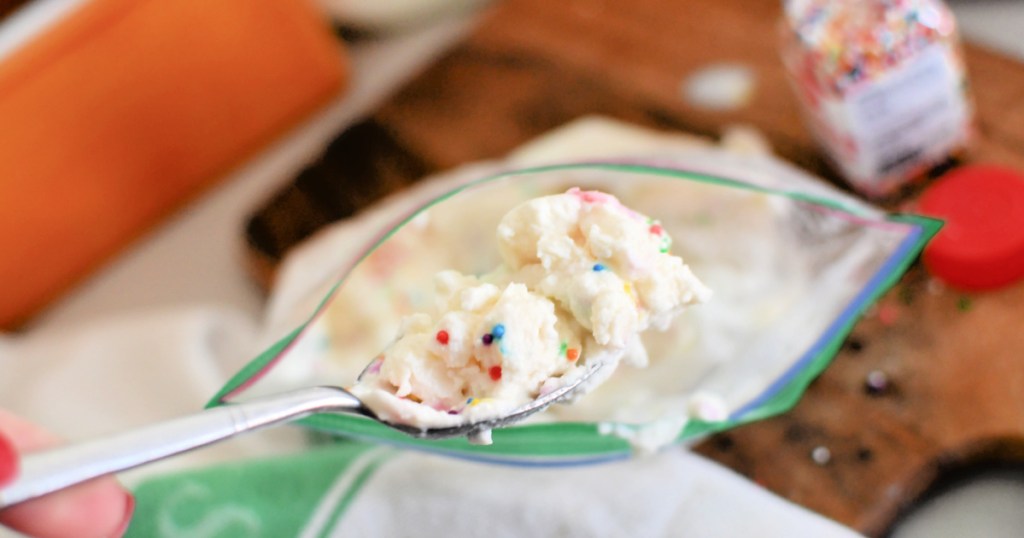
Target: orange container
{"points": [[125, 109]]}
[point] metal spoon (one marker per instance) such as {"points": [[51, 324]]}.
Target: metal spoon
{"points": [[52, 470]]}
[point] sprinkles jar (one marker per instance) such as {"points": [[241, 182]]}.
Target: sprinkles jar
{"points": [[881, 84]]}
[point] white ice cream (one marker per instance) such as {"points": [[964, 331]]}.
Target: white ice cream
{"points": [[582, 276]]}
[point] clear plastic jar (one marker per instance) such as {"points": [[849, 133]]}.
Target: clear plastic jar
{"points": [[882, 86]]}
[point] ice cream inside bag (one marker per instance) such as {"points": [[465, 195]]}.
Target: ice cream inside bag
{"points": [[792, 264]]}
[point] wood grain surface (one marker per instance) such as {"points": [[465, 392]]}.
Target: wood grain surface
{"points": [[946, 367], [9, 6]]}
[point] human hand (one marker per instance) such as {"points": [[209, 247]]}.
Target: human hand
{"points": [[99, 508]]}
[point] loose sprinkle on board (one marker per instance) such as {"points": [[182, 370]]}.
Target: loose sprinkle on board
{"points": [[876, 383], [888, 314], [821, 455]]}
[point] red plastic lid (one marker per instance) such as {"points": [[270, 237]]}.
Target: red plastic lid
{"points": [[981, 246]]}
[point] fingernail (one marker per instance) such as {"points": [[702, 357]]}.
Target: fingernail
{"points": [[8, 460], [129, 509]]}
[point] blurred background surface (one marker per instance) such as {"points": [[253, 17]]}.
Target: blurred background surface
{"points": [[197, 255]]}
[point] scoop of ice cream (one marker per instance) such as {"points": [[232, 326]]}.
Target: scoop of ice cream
{"points": [[605, 263], [582, 277], [489, 342]]}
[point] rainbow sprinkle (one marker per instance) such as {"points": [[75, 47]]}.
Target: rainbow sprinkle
{"points": [[473, 402], [592, 197], [496, 333]]}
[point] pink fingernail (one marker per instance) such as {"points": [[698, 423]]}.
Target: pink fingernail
{"points": [[129, 509], [8, 460]]}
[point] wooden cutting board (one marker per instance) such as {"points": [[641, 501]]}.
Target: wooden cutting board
{"points": [[952, 384]]}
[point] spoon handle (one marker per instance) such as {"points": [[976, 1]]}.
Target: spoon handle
{"points": [[52, 470]]}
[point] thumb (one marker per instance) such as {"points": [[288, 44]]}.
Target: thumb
{"points": [[100, 507]]}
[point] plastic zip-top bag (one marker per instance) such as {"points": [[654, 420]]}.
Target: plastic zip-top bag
{"points": [[792, 262]]}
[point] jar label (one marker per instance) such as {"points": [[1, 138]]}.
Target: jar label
{"points": [[898, 124]]}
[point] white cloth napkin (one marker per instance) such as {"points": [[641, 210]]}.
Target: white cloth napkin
{"points": [[126, 371], [677, 493]]}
